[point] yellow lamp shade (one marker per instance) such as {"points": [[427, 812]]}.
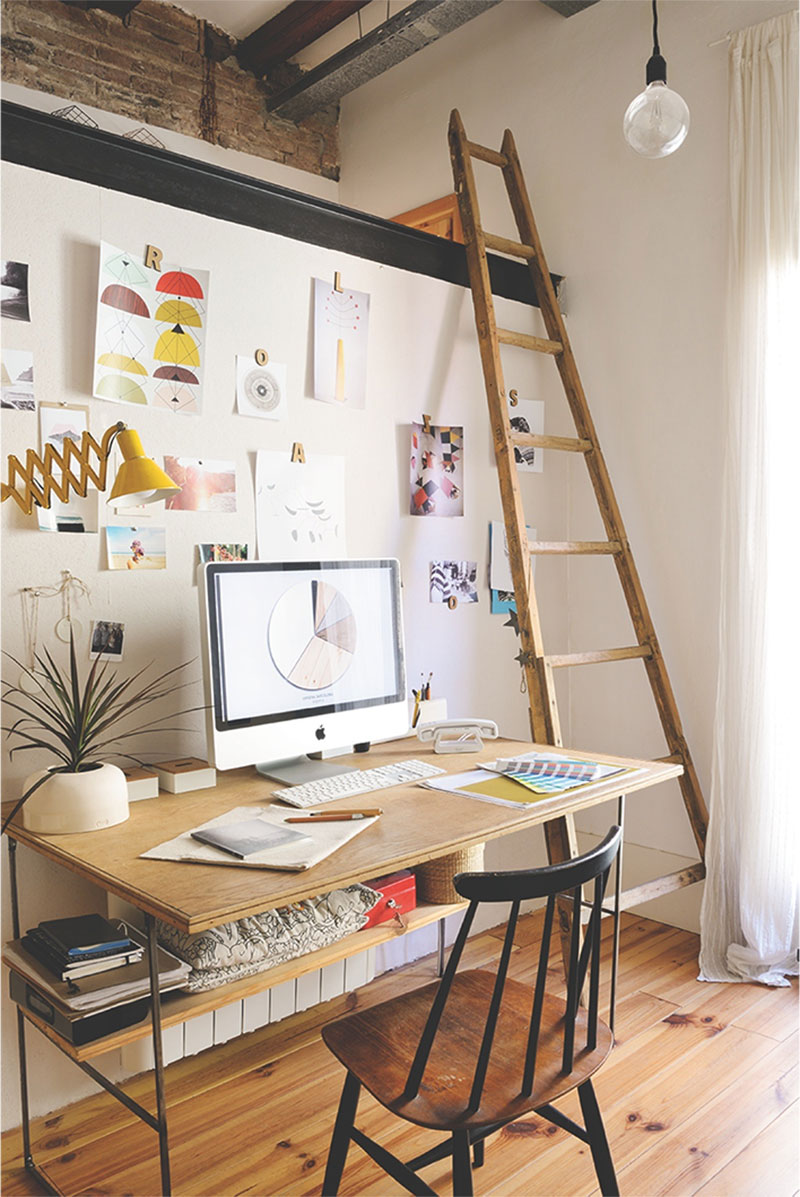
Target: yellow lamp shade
{"points": [[139, 479]]}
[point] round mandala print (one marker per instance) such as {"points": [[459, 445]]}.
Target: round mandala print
{"points": [[262, 389]]}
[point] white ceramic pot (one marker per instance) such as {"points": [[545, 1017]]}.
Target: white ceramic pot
{"points": [[71, 802]]}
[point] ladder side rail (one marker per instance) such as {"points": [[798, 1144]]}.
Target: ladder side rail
{"points": [[541, 691], [560, 836], [604, 492]]}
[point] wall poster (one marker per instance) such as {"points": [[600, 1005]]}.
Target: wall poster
{"points": [[437, 470], [341, 328], [300, 507], [150, 333]]}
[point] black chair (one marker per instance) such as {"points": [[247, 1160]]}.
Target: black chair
{"points": [[473, 1051]]}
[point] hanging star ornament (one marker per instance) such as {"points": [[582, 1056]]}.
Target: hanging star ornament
{"points": [[512, 622]]}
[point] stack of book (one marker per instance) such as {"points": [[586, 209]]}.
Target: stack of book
{"points": [[81, 946]]}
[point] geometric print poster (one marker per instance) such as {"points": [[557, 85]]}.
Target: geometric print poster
{"points": [[150, 334], [437, 470]]}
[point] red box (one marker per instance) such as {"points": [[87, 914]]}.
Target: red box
{"points": [[398, 895]]}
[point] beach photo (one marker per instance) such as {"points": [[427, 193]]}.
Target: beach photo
{"points": [[136, 548]]}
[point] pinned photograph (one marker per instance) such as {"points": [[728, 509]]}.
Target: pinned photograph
{"points": [[136, 548], [260, 390], [527, 415], [437, 470], [502, 601], [341, 328], [205, 485], [499, 561], [59, 423], [16, 367], [222, 552], [14, 291], [454, 579], [106, 640], [74, 515]]}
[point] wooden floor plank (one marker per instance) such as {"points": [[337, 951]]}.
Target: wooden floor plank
{"points": [[772, 1157], [683, 1161], [696, 1098]]}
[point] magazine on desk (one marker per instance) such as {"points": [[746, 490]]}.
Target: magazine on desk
{"points": [[532, 778], [317, 841]]}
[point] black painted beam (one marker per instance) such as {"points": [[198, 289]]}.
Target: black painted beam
{"points": [[396, 39], [44, 142]]}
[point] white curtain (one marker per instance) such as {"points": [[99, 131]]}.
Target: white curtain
{"points": [[749, 917]]}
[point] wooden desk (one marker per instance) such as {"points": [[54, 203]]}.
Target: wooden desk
{"points": [[417, 825]]}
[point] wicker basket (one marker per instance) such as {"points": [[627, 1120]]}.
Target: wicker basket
{"points": [[435, 877]]}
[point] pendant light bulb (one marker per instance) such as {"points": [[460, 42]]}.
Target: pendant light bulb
{"points": [[657, 121]]}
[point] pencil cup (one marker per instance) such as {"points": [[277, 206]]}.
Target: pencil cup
{"points": [[432, 711]]}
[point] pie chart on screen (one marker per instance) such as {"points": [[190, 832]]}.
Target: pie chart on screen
{"points": [[312, 635]]}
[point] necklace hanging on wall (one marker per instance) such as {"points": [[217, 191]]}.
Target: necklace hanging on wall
{"points": [[30, 595]]}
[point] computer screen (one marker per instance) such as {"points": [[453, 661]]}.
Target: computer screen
{"points": [[301, 657]]}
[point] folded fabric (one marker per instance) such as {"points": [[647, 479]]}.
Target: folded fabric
{"points": [[234, 950]]}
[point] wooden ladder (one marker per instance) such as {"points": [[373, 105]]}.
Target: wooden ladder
{"points": [[538, 666]]}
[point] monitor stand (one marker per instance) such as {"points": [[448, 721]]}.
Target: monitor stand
{"points": [[300, 769]]}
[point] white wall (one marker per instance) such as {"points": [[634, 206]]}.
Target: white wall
{"points": [[422, 358], [643, 246]]}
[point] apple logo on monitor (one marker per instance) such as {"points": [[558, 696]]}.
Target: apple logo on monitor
{"points": [[320, 732]]}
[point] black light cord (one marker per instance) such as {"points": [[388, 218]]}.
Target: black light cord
{"points": [[656, 49], [656, 67]]}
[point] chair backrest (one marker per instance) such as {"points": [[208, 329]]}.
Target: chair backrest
{"points": [[516, 887]]}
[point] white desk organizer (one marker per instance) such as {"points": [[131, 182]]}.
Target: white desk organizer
{"points": [[432, 711]]}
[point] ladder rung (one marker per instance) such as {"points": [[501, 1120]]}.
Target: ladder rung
{"points": [[574, 546], [524, 341], [594, 658], [485, 154], [656, 888], [569, 444], [504, 246], [675, 759]]}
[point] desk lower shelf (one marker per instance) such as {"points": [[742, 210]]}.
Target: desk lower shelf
{"points": [[178, 1007]]}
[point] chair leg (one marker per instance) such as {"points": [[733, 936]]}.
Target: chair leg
{"points": [[462, 1168], [598, 1142], [340, 1142], [478, 1153]]}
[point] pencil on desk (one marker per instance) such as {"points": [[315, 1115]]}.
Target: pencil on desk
{"points": [[334, 816]]}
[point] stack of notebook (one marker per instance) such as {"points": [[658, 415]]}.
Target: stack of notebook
{"points": [[81, 946]]}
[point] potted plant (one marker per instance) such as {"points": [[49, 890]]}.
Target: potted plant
{"points": [[78, 723]]}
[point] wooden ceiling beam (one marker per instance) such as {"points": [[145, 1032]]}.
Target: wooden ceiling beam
{"points": [[291, 30], [119, 8]]}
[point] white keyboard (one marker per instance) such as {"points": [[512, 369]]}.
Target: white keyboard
{"points": [[360, 781]]}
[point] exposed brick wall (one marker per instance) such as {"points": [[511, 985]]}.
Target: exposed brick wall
{"points": [[154, 71]]}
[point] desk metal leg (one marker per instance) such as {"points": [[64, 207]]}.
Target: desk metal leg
{"points": [[158, 1124], [617, 893], [158, 1055], [27, 1153], [440, 927]]}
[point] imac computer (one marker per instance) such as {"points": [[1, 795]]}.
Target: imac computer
{"points": [[299, 658]]}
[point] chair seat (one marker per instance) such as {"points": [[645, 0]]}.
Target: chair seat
{"points": [[378, 1046]]}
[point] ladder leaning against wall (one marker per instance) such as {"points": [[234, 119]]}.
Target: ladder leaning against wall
{"points": [[538, 666]]}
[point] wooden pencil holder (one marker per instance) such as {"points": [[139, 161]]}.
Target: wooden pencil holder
{"points": [[435, 877]]}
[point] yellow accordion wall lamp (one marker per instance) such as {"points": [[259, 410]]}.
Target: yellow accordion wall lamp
{"points": [[76, 464]]}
